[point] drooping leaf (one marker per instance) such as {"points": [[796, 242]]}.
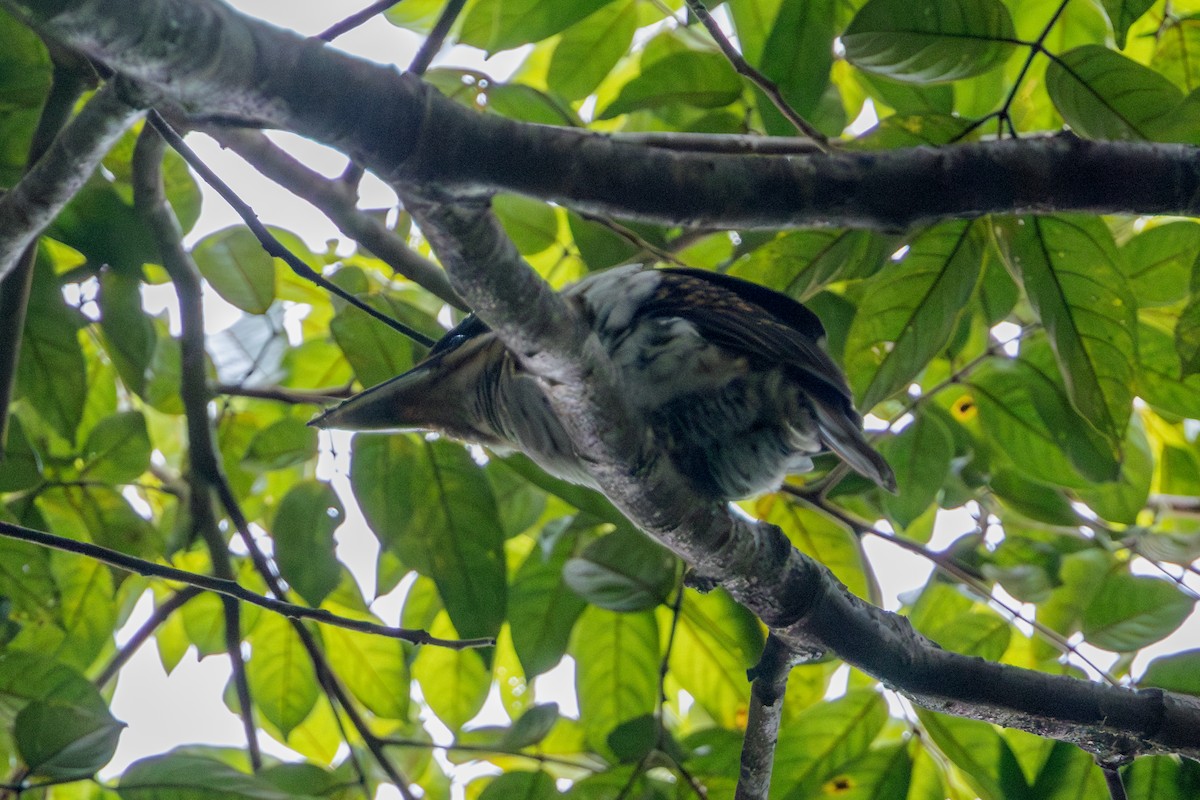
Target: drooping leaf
{"points": [[822, 738], [455, 683], [282, 681], [303, 531], [1104, 95], [1068, 265], [234, 262], [911, 308], [589, 49], [616, 661], [1122, 14], [495, 25], [60, 741], [1130, 612], [188, 776], [692, 77], [431, 505], [623, 571], [930, 40], [542, 609]]}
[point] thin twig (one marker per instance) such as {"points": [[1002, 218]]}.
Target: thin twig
{"points": [[437, 37], [220, 586], [356, 19], [160, 615], [282, 394], [765, 84], [541, 758], [268, 240], [150, 200]]}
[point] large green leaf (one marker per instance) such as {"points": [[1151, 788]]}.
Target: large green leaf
{"points": [[494, 25], [589, 49], [716, 641], [821, 739], [180, 775], [117, 448], [65, 742], [1178, 53], [927, 41], [1104, 95], [920, 457], [692, 77], [1130, 612], [432, 506], [623, 571], [1123, 13], [282, 681], [1158, 262], [797, 57], [822, 538], [303, 532], [1069, 267], [802, 263], [454, 683], [542, 609], [911, 308], [235, 264], [616, 666], [979, 751], [51, 373]]}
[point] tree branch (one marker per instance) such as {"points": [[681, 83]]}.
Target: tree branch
{"points": [[410, 134], [27, 208], [769, 678], [226, 588]]}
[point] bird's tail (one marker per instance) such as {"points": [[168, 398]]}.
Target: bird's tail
{"points": [[842, 434]]}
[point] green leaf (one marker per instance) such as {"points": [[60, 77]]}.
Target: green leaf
{"points": [[117, 449], [1161, 778], [495, 25], [303, 532], [531, 224], [616, 668], [183, 776], [532, 727], [19, 464], [979, 751], [623, 571], [1158, 263], [1122, 14], [377, 352], [881, 772], [1123, 501], [102, 514], [542, 609], [281, 677], [128, 334], [692, 77], [235, 264], [802, 263], [1187, 337], [1024, 409], [455, 683], [1068, 265], [920, 457], [928, 41], [1178, 53], [1130, 612], [1177, 672], [1104, 95], [432, 506], [589, 49], [716, 641], [520, 786], [283, 443], [51, 373], [797, 57], [373, 668], [911, 309], [65, 742], [823, 737], [86, 608], [634, 739]]}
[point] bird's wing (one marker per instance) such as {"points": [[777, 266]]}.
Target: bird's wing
{"points": [[751, 320], [769, 327]]}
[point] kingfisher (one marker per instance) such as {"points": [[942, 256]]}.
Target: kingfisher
{"points": [[730, 378]]}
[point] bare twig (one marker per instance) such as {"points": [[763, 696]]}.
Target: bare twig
{"points": [[769, 678], [336, 200], [768, 86], [161, 613], [283, 394], [268, 240], [354, 20], [220, 586], [437, 36]]}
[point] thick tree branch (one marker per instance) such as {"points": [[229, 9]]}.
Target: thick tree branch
{"points": [[224, 64], [27, 208]]}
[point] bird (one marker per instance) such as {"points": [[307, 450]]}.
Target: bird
{"points": [[731, 378]]}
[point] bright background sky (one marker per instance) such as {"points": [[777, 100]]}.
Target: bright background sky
{"points": [[186, 707]]}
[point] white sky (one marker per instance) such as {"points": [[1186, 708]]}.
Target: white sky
{"points": [[186, 707]]}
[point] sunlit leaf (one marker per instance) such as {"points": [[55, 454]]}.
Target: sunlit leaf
{"points": [[1130, 612], [234, 262], [454, 682], [589, 49], [696, 78], [930, 40], [282, 681], [616, 662], [822, 738]]}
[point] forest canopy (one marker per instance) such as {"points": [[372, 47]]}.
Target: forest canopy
{"points": [[990, 205]]}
